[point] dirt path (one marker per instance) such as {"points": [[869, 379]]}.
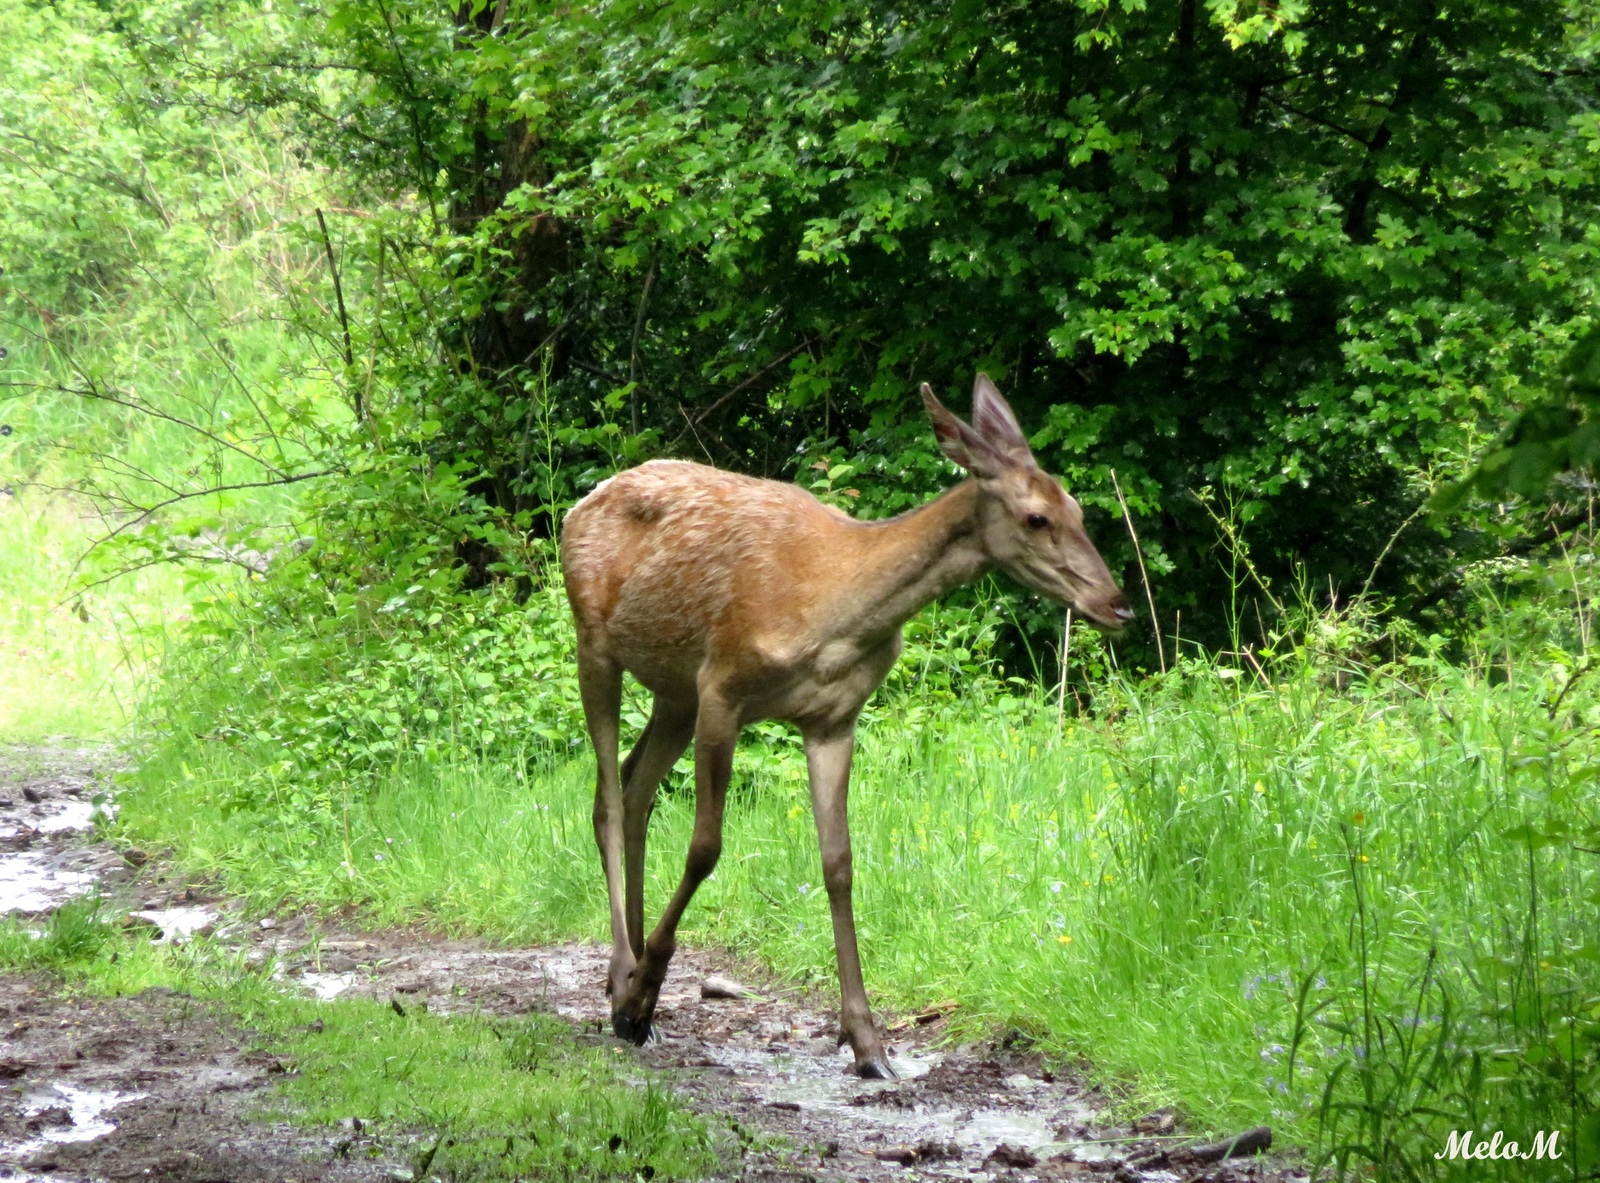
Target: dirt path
{"points": [[157, 1086]]}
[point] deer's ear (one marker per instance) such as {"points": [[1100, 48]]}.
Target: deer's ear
{"points": [[958, 441], [993, 419]]}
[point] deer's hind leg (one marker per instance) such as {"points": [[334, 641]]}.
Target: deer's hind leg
{"points": [[665, 737], [716, 729], [600, 685]]}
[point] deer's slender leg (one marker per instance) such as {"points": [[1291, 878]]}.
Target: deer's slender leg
{"points": [[716, 730], [828, 761], [665, 737], [600, 684]]}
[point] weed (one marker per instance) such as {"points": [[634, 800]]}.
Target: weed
{"points": [[75, 933]]}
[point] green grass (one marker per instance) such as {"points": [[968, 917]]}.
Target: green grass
{"points": [[72, 662], [500, 1098], [1222, 878], [468, 1098]]}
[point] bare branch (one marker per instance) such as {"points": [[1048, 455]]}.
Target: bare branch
{"points": [[150, 510], [154, 412], [755, 377]]}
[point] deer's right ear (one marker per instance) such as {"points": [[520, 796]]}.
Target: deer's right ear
{"points": [[960, 442]]}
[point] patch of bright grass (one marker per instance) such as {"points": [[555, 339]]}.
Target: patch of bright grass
{"points": [[71, 663], [475, 1097], [500, 1098], [1218, 898]]}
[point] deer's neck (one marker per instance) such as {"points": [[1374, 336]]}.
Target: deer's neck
{"points": [[909, 561]]}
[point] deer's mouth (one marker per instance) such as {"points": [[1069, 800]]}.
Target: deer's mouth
{"points": [[1109, 614], [1113, 620]]}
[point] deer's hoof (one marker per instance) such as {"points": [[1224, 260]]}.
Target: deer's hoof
{"points": [[635, 1031], [875, 1067]]}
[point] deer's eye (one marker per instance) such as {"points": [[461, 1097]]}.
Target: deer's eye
{"points": [[1037, 521]]}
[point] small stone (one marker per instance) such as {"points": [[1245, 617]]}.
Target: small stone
{"points": [[54, 1116], [32, 795], [135, 857], [714, 988], [11, 1069], [1007, 1155], [1162, 1121], [924, 1151], [6, 802], [267, 922]]}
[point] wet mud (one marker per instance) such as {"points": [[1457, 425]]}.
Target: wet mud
{"points": [[158, 1086]]}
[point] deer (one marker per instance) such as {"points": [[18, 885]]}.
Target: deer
{"points": [[733, 600]]}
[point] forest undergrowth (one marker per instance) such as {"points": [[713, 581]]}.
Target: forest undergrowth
{"points": [[1348, 896]]}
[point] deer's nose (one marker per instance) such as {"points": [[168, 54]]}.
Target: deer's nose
{"points": [[1119, 607]]}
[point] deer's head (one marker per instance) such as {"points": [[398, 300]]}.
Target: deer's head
{"points": [[1031, 527]]}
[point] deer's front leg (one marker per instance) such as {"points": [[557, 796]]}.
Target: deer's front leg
{"points": [[716, 731], [828, 760]]}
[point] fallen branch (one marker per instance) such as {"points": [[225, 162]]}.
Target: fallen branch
{"points": [[1251, 1141]]}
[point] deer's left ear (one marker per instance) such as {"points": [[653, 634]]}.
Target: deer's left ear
{"points": [[964, 444], [993, 419]]}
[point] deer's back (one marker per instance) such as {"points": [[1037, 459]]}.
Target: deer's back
{"points": [[666, 561]]}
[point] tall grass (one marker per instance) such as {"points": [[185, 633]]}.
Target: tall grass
{"points": [[71, 661], [1230, 896]]}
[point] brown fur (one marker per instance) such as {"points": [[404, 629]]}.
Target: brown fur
{"points": [[735, 599]]}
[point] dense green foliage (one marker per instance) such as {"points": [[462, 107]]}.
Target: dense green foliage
{"points": [[342, 305], [1311, 254], [1310, 257], [1555, 436]]}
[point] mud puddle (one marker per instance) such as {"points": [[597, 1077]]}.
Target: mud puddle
{"points": [[158, 1087], [47, 798]]}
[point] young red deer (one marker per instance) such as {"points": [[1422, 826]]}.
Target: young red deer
{"points": [[734, 599]]}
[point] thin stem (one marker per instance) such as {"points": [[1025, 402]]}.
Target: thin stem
{"points": [[633, 350], [344, 319], [1066, 653], [1144, 576]]}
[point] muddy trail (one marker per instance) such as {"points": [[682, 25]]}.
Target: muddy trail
{"points": [[161, 1086]]}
